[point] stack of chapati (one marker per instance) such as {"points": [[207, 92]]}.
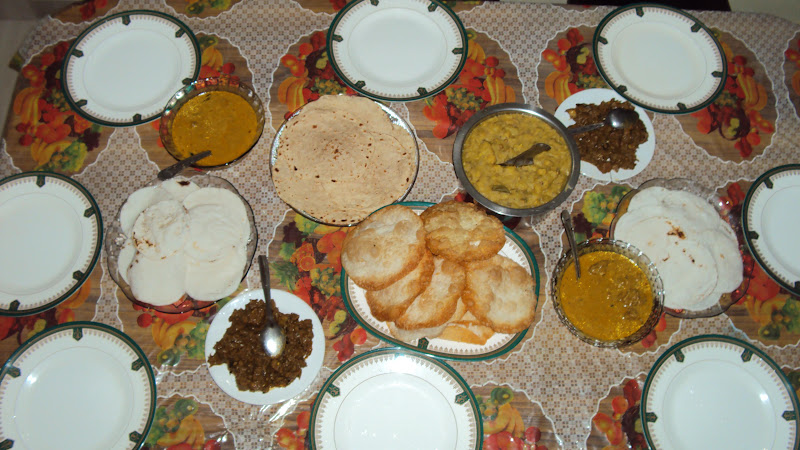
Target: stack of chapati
{"points": [[695, 251], [341, 158], [183, 240]]}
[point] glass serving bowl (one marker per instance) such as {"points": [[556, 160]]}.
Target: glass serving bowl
{"points": [[628, 251], [518, 108], [732, 216], [223, 83], [115, 239]]}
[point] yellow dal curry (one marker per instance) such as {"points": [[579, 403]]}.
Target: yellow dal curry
{"points": [[611, 300], [503, 136], [220, 121]]}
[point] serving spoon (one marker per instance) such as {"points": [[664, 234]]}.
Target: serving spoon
{"points": [[272, 338], [619, 118], [171, 171], [566, 219]]}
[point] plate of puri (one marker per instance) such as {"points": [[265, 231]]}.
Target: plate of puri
{"points": [[443, 279], [695, 244]]}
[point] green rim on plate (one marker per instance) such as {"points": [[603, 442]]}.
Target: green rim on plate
{"points": [[769, 218], [373, 392], [397, 50], [111, 406], [660, 58], [499, 344], [714, 391], [121, 70], [50, 239]]}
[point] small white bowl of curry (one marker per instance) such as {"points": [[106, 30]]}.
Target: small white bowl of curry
{"points": [[618, 298], [220, 114]]}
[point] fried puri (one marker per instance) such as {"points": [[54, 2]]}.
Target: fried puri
{"points": [[438, 302], [500, 294], [389, 303], [384, 248], [461, 232]]}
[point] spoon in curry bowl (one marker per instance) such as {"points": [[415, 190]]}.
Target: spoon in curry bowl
{"points": [[566, 219], [619, 118], [272, 338]]}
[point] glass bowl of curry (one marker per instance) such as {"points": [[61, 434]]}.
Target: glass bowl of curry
{"points": [[617, 300], [500, 132], [221, 114]]}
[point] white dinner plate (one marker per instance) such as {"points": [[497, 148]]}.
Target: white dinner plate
{"points": [[50, 238], [356, 302], [659, 58], [718, 392], [595, 97], [77, 385], [397, 50], [390, 399], [770, 216], [123, 69], [286, 303]]}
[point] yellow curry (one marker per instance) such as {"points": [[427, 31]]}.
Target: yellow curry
{"points": [[220, 121], [500, 138], [611, 300]]}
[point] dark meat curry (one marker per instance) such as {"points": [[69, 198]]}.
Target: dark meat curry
{"points": [[607, 148], [240, 348]]}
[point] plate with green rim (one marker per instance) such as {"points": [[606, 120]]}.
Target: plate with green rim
{"points": [[714, 391], [391, 397], [397, 50], [769, 218], [51, 232], [77, 385], [354, 299], [660, 58], [122, 69]]}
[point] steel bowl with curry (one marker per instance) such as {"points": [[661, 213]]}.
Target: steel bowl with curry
{"points": [[501, 132]]}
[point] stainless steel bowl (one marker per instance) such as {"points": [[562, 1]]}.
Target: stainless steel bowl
{"points": [[505, 108]]}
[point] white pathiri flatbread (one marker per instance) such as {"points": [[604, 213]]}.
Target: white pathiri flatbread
{"points": [[158, 281], [213, 280], [184, 239], [160, 230], [695, 251], [138, 202]]}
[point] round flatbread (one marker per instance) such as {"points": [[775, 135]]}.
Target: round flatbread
{"points": [[439, 301], [158, 281], [384, 248], [461, 232], [389, 303], [160, 230], [341, 158], [500, 294]]}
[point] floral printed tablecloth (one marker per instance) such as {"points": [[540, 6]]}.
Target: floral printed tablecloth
{"points": [[551, 391]]}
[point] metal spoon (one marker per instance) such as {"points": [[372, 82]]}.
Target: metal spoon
{"points": [[618, 118], [176, 168], [272, 337], [566, 219], [526, 158]]}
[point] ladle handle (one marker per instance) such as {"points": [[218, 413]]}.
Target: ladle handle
{"points": [[176, 168], [263, 267], [566, 219]]}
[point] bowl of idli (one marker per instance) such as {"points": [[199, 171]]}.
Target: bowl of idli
{"points": [[500, 132], [693, 239], [618, 298], [220, 114], [339, 158], [181, 244]]}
